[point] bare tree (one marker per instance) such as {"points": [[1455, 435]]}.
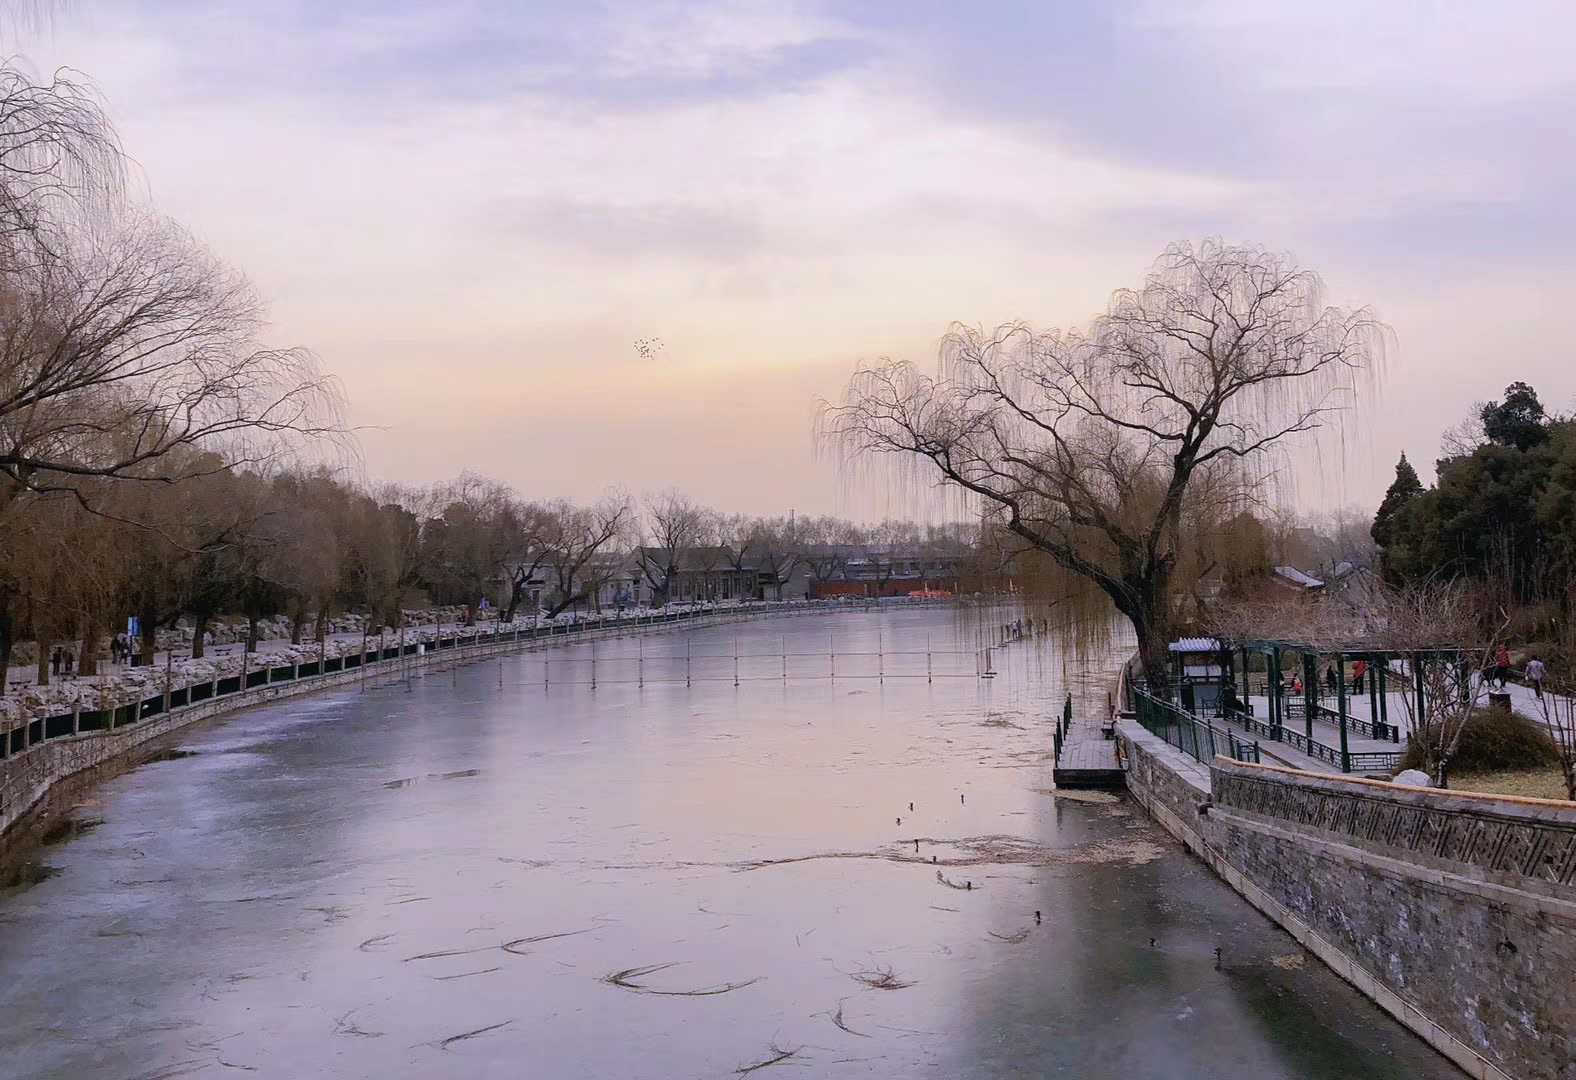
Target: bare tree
{"points": [[779, 551], [587, 534], [1451, 636], [1557, 713], [1095, 447], [531, 536], [674, 522], [125, 348], [60, 162]]}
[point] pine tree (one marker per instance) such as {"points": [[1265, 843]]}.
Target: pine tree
{"points": [[1403, 490]]}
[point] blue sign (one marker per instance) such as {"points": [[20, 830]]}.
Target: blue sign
{"points": [[132, 626]]}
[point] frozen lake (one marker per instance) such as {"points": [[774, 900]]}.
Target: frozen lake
{"points": [[480, 876]]}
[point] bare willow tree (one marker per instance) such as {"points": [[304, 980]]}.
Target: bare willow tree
{"points": [[60, 161], [132, 346], [1097, 447]]}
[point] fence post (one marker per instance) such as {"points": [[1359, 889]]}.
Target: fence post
{"points": [[76, 719]]}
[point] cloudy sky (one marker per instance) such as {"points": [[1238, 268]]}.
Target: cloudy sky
{"points": [[473, 210]]}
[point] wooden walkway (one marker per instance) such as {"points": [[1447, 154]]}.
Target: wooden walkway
{"points": [[1088, 759]]}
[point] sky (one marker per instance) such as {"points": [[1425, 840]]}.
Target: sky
{"points": [[473, 211]]}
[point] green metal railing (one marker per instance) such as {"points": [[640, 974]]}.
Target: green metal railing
{"points": [[1197, 738]]}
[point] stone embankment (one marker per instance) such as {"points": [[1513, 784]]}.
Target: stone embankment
{"points": [[1454, 912]]}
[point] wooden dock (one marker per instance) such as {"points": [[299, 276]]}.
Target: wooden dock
{"points": [[1088, 759]]}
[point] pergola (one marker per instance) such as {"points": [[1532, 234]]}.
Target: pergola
{"points": [[1311, 658]]}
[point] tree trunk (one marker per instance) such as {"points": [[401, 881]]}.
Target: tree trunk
{"points": [[199, 631], [90, 652], [46, 645], [147, 630], [6, 639]]}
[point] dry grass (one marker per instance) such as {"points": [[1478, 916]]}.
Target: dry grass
{"points": [[1542, 783], [837, 1019], [881, 978], [627, 979], [462, 1036], [777, 1055]]}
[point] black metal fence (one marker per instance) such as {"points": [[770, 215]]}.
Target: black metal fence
{"points": [[1195, 737]]}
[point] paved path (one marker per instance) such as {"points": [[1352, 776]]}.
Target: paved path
{"points": [[20, 677]]}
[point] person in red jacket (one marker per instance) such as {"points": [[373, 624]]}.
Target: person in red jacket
{"points": [[1359, 669], [1501, 665]]}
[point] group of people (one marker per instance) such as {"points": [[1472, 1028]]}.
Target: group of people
{"points": [[63, 661], [122, 646], [1533, 674], [1332, 678]]}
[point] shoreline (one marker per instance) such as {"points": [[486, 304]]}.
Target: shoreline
{"points": [[33, 780]]}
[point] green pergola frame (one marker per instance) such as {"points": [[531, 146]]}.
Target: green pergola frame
{"points": [[1376, 657]]}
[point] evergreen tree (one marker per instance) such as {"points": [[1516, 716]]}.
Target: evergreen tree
{"points": [[1403, 490], [1517, 421]]}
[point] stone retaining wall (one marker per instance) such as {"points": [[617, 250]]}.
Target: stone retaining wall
{"points": [[1456, 913]]}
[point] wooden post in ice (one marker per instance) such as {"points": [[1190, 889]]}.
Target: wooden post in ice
{"points": [[593, 663], [686, 661], [640, 679], [880, 657], [929, 678], [735, 659]]}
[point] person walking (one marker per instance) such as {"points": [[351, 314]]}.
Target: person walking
{"points": [[1331, 680], [1536, 673], [1501, 665], [1359, 669], [54, 661]]}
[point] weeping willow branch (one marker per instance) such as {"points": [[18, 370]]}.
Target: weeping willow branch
{"points": [[1112, 450]]}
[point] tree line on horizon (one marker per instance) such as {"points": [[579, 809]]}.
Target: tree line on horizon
{"points": [[159, 459]]}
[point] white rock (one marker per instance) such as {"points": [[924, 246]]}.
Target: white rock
{"points": [[1413, 778]]}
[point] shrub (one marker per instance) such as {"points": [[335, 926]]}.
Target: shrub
{"points": [[1495, 740]]}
